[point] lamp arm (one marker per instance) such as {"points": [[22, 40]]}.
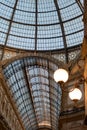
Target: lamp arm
{"points": [[75, 85], [63, 88]]}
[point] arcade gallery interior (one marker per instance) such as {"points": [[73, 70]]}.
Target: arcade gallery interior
{"points": [[43, 64]]}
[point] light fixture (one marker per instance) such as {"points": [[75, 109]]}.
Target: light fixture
{"points": [[61, 76], [75, 95]]}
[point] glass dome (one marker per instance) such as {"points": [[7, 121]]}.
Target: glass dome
{"points": [[41, 25], [37, 26]]}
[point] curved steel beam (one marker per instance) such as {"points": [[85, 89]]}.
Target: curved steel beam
{"points": [[36, 15], [62, 29], [21, 95], [80, 6], [9, 27], [27, 24], [42, 56], [29, 89]]}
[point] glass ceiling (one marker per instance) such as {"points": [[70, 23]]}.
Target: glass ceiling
{"points": [[41, 24], [36, 94], [38, 25]]}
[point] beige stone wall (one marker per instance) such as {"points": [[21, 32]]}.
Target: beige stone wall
{"points": [[7, 111]]}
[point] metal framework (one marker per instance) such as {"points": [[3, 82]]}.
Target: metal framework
{"points": [[41, 25], [37, 96], [62, 29], [45, 26]]}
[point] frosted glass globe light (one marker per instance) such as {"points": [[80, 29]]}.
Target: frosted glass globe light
{"points": [[61, 75], [75, 95]]}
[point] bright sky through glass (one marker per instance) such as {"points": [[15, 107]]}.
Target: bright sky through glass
{"points": [[49, 29], [36, 94]]}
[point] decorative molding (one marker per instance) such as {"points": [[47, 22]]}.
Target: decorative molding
{"points": [[7, 111], [38, 55]]}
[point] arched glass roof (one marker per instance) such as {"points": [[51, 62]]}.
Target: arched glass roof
{"points": [[41, 24], [36, 94]]}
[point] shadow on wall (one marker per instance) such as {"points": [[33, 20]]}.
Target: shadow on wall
{"points": [[85, 121]]}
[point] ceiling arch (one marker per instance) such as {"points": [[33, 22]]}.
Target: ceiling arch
{"points": [[37, 95]]}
